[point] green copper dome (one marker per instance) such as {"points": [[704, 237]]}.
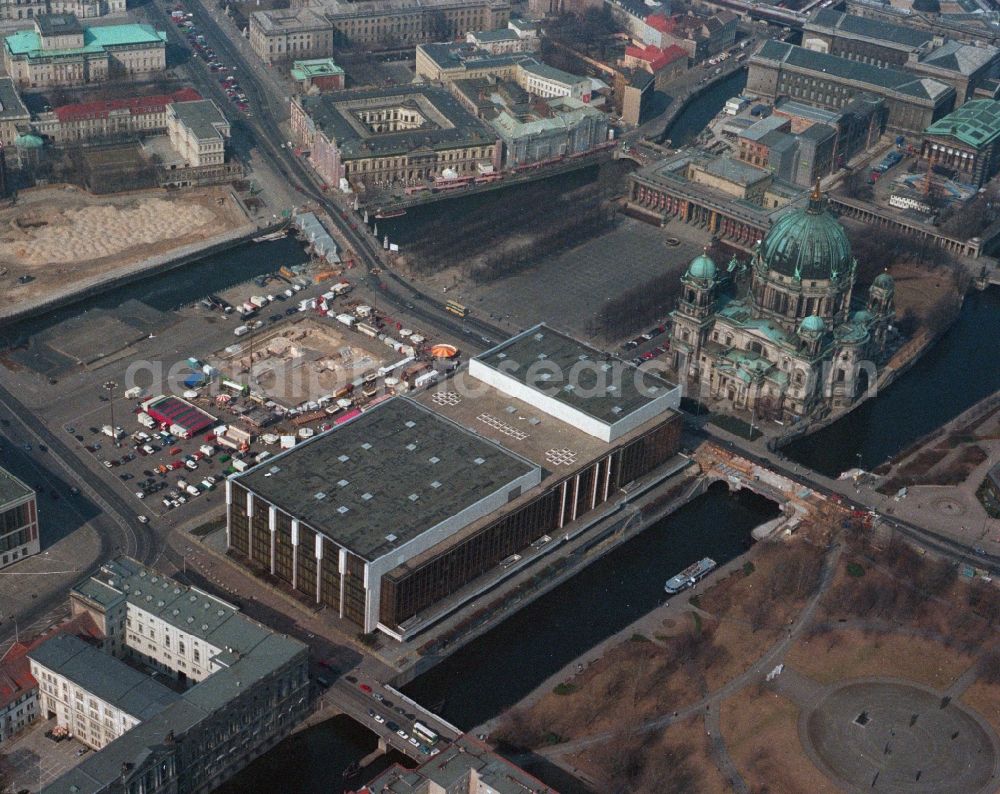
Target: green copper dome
{"points": [[807, 243], [702, 267], [862, 317], [812, 324], [28, 141], [884, 281]]}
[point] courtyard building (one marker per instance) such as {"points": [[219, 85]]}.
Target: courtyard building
{"points": [[791, 344], [19, 692], [61, 52], [382, 136], [236, 688], [914, 102], [505, 40]]}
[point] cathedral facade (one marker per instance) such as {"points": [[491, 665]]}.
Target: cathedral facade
{"points": [[789, 341]]}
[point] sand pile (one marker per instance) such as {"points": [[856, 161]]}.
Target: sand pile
{"points": [[95, 232]]}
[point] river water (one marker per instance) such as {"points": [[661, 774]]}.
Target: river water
{"points": [[496, 670], [706, 107], [170, 290], [962, 368]]}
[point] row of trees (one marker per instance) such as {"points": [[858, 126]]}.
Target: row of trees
{"points": [[530, 213], [637, 307], [563, 233]]}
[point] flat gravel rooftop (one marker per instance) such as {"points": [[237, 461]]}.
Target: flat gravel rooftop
{"points": [[385, 477]]}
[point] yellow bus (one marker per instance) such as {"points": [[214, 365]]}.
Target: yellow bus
{"points": [[456, 308]]}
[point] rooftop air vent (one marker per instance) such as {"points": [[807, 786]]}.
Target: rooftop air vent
{"points": [[539, 337], [534, 421], [435, 484], [434, 459], [319, 495], [343, 509], [501, 355], [343, 458], [616, 409], [411, 447], [221, 612], [391, 538], [366, 496], [542, 356], [204, 627], [366, 445], [479, 461], [413, 497], [342, 483], [511, 409], [274, 469], [411, 423]]}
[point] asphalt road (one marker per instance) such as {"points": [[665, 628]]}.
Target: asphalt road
{"points": [[268, 137]]}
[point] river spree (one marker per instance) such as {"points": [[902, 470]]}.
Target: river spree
{"points": [[499, 668], [169, 290], [314, 762], [705, 108], [962, 368]]}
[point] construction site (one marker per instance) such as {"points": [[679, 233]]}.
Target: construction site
{"points": [[304, 361]]}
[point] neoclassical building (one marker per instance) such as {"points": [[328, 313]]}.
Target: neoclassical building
{"points": [[790, 339]]}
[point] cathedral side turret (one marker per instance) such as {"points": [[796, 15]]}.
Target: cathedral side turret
{"points": [[790, 339]]}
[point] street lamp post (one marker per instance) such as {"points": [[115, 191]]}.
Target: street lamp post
{"points": [[109, 387]]}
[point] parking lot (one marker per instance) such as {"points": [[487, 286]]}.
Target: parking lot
{"points": [[204, 52]]}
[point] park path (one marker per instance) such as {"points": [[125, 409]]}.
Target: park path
{"points": [[763, 665]]}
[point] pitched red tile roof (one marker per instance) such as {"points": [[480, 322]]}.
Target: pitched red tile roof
{"points": [[654, 56], [660, 22], [15, 669], [135, 105]]}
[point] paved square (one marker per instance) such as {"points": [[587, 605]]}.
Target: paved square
{"points": [[567, 291], [35, 760], [892, 736]]}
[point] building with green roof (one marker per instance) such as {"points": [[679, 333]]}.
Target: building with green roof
{"points": [[787, 337], [318, 74], [966, 141], [59, 51]]}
